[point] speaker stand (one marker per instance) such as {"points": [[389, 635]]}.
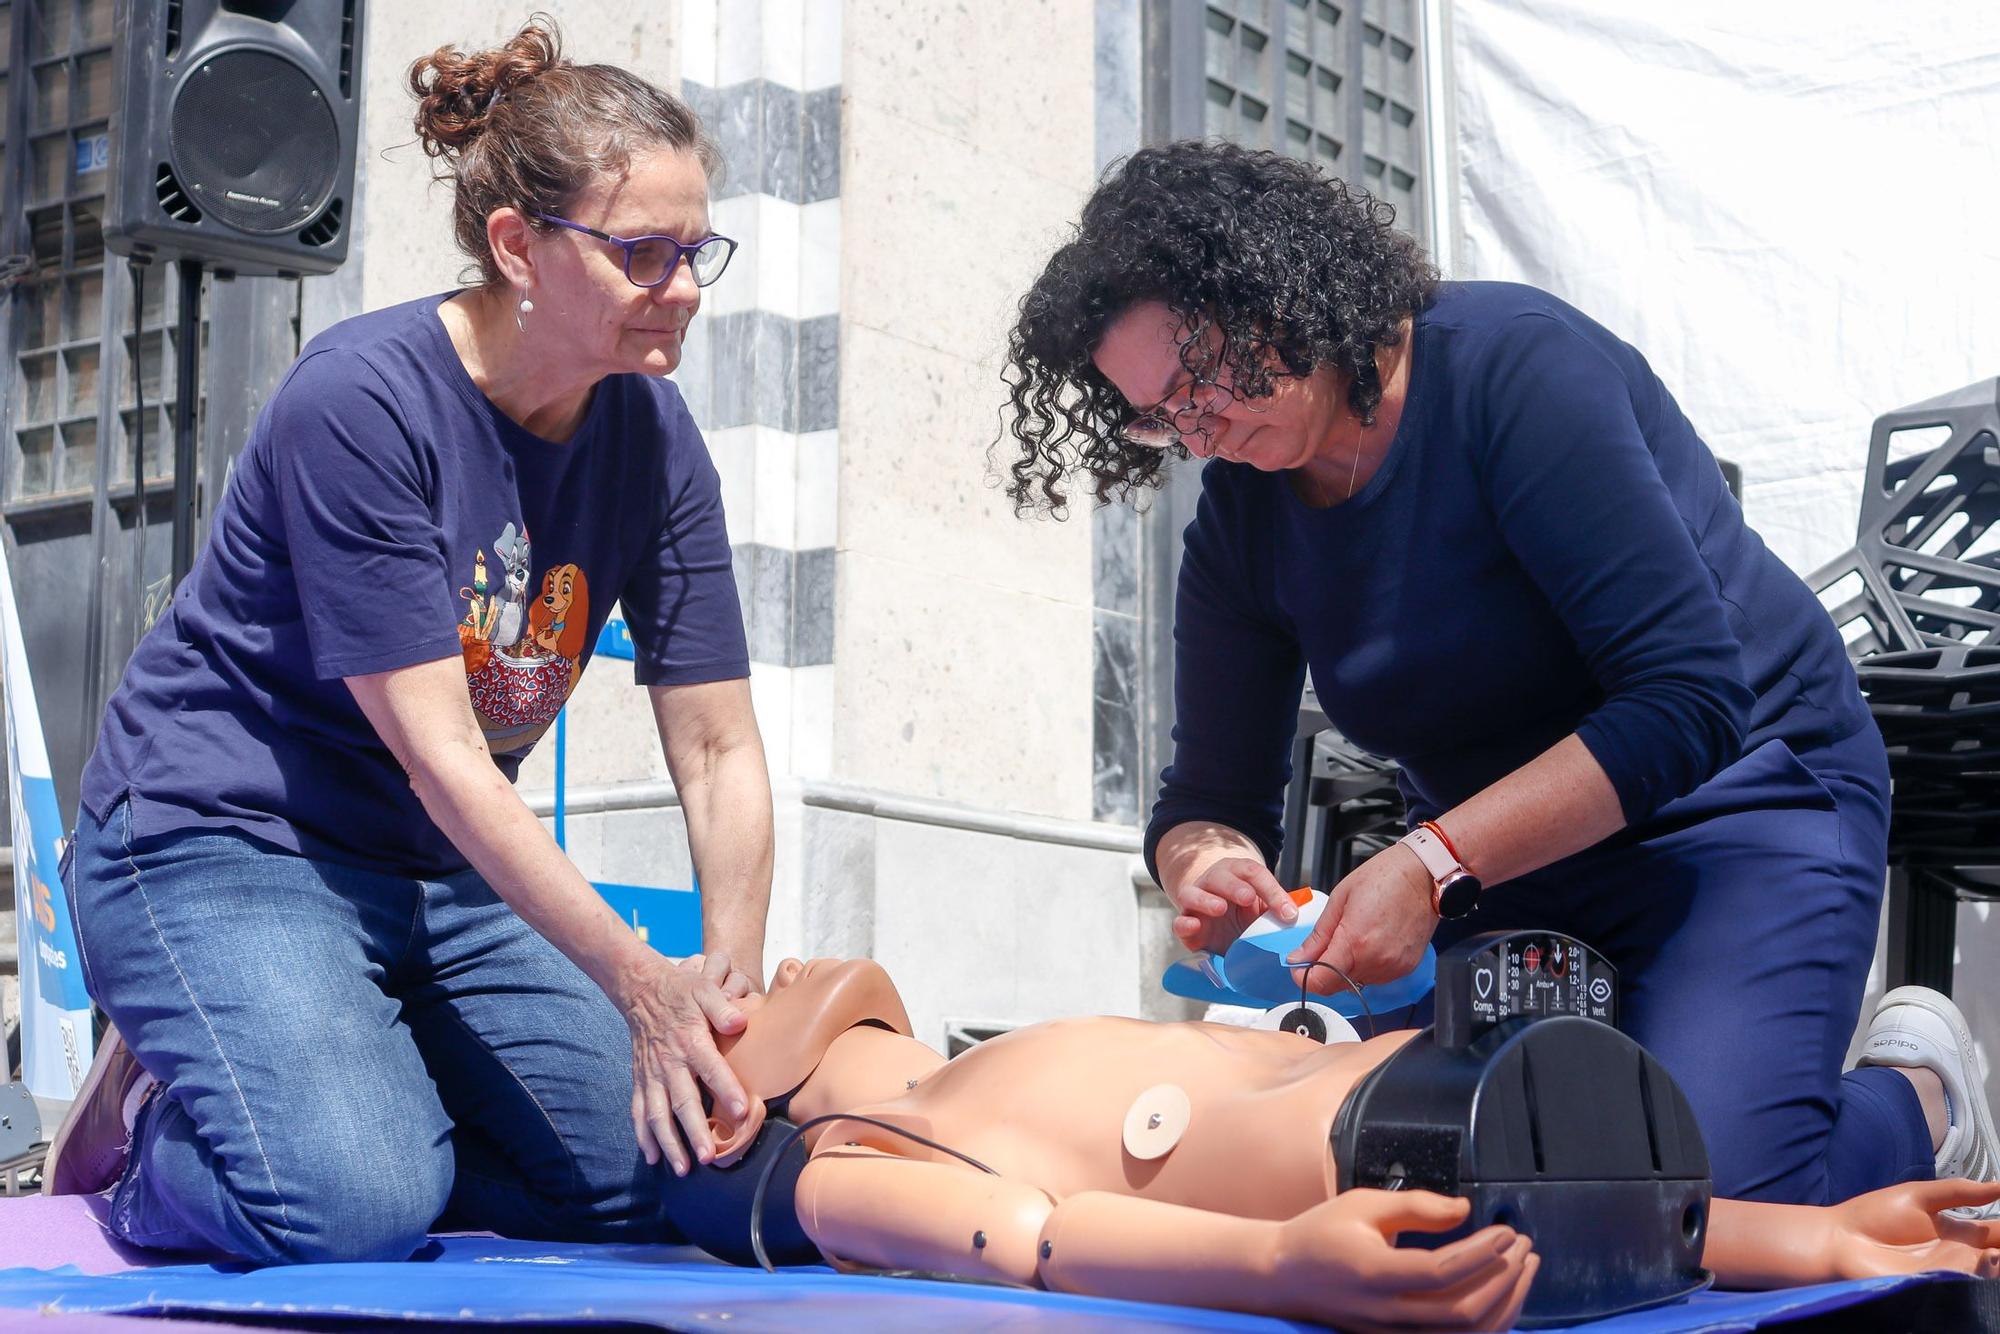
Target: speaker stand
{"points": [[187, 391]]}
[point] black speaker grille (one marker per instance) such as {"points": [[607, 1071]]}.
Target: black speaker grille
{"points": [[323, 230], [254, 141]]}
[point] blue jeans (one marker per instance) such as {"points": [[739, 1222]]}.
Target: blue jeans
{"points": [[349, 1058]]}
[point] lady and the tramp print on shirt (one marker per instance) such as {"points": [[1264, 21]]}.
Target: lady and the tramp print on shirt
{"points": [[522, 653]]}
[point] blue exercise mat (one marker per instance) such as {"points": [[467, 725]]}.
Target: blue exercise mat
{"points": [[484, 1280]]}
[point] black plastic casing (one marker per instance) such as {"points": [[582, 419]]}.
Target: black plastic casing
{"points": [[1560, 1127]]}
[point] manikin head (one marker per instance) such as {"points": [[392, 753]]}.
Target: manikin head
{"points": [[788, 1030]]}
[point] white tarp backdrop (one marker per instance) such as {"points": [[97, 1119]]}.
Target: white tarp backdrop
{"points": [[1792, 209]]}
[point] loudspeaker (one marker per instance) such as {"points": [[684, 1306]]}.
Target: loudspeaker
{"points": [[233, 133]]}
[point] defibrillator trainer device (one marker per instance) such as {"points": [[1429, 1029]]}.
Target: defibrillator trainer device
{"points": [[1525, 1098]]}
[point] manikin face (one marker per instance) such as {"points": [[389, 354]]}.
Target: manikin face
{"points": [[1140, 353], [790, 971], [807, 978], [589, 320]]}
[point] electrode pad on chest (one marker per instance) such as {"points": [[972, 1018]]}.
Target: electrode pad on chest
{"points": [[1156, 1121]]}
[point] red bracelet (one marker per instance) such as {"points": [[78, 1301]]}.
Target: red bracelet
{"points": [[1443, 838]]}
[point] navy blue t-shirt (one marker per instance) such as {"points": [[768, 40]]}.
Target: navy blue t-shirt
{"points": [[1547, 548], [385, 513]]}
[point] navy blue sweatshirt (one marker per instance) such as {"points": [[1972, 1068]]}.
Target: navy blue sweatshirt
{"points": [[1547, 548]]}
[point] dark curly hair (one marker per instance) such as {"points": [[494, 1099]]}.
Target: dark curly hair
{"points": [[1256, 250]]}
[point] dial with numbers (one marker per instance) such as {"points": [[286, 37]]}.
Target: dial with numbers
{"points": [[1521, 974]]}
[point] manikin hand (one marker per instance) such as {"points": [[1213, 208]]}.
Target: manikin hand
{"points": [[1376, 923], [674, 1015], [1226, 897], [1901, 1230], [1341, 1257]]}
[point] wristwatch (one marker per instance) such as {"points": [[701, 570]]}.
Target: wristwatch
{"points": [[1454, 890]]}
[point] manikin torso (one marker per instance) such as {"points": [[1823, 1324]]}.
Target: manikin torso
{"points": [[1047, 1105]]}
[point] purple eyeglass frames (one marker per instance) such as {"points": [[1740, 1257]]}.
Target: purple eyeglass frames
{"points": [[651, 260]]}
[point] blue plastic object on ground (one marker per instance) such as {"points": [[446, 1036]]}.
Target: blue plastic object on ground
{"points": [[614, 641]]}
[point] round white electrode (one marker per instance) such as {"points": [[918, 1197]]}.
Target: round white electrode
{"points": [[1157, 1120], [1314, 1020]]}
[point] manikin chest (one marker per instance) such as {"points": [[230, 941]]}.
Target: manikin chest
{"points": [[1049, 1106]]}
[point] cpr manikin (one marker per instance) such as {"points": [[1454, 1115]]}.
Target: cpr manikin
{"points": [[1189, 1163]]}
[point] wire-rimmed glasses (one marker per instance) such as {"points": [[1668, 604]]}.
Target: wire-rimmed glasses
{"points": [[1161, 427], [651, 260]]}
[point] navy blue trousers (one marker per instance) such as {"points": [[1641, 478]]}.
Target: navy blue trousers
{"points": [[1742, 919]]}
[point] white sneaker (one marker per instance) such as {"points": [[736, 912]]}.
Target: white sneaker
{"points": [[1917, 1028]]}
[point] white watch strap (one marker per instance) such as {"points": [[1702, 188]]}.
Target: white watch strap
{"points": [[1432, 852]]}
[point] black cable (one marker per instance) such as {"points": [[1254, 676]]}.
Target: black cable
{"points": [[1305, 972], [764, 1178]]}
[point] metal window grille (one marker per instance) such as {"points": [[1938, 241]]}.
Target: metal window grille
{"points": [[1337, 82]]}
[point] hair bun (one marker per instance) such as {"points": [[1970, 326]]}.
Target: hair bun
{"points": [[458, 93]]}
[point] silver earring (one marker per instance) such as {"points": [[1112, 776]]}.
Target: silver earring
{"points": [[527, 309]]}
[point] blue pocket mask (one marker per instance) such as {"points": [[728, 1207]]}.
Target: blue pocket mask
{"points": [[1253, 972]]}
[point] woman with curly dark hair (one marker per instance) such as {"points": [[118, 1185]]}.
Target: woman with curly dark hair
{"points": [[1510, 563]]}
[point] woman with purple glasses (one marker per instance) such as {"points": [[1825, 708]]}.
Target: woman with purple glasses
{"points": [[356, 988]]}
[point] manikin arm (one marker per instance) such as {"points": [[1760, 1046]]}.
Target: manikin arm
{"points": [[862, 1206], [1336, 1263], [1895, 1230]]}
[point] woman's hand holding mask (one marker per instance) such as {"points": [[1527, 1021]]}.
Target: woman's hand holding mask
{"points": [[1376, 923]]}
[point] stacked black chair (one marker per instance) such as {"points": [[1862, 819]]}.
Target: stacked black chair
{"points": [[1918, 603], [1343, 805], [1360, 805]]}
